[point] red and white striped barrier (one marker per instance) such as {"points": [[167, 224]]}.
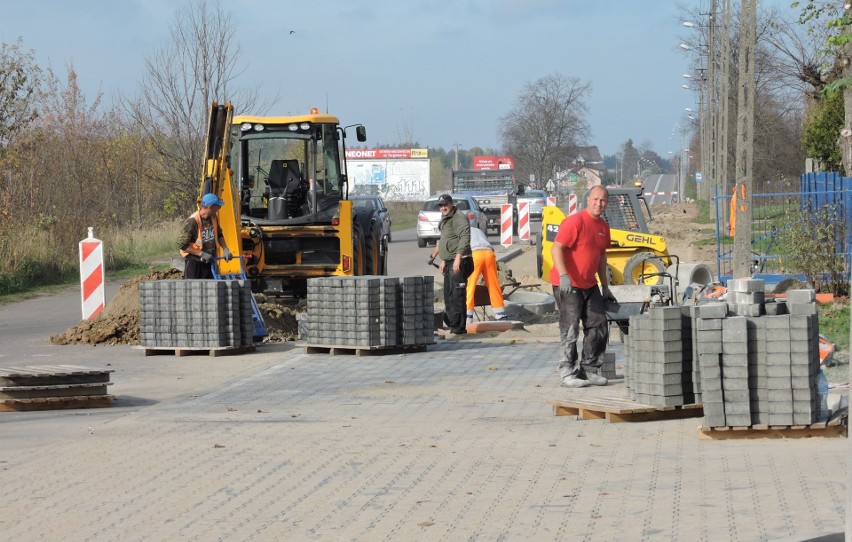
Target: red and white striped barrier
{"points": [[572, 204], [91, 276], [524, 221], [660, 194], [506, 224], [551, 201]]}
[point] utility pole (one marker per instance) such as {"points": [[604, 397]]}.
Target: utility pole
{"points": [[745, 141], [456, 167]]}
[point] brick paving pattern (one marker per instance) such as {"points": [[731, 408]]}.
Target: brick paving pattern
{"points": [[456, 443]]}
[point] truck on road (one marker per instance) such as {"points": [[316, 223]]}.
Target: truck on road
{"points": [[491, 189]]}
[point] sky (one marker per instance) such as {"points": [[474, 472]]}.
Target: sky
{"points": [[445, 70]]}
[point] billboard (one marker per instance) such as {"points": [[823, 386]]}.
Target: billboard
{"points": [[488, 163], [393, 174]]}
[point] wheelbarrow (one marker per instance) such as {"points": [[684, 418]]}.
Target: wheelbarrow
{"points": [[631, 300], [619, 313], [481, 297]]}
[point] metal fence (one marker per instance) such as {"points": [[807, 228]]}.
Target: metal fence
{"points": [[772, 214]]}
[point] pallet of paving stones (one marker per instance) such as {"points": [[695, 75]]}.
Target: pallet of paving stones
{"points": [[619, 410], [337, 350], [837, 426], [181, 351], [52, 387]]}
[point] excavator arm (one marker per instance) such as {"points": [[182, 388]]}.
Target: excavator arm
{"points": [[217, 179]]}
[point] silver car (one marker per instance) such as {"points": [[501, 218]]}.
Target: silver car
{"points": [[536, 199], [430, 217]]}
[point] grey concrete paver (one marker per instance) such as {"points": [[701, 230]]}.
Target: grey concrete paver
{"points": [[456, 443]]}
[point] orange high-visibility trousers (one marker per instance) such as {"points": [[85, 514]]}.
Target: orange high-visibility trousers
{"points": [[485, 264]]}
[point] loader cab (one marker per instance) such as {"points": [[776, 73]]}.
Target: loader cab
{"points": [[288, 170]]}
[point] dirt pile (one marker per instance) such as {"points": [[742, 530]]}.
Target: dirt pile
{"points": [[685, 238], [118, 323], [280, 319]]}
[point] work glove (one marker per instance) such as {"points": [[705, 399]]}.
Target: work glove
{"points": [[206, 257], [607, 295], [565, 284], [226, 254], [430, 261]]}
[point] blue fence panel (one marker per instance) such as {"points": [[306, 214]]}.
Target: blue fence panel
{"points": [[769, 220]]}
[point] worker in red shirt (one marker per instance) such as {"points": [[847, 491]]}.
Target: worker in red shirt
{"points": [[579, 253]]}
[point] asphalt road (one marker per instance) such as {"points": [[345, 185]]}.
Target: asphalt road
{"points": [[405, 258], [660, 189]]}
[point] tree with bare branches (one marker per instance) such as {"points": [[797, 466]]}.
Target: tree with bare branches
{"points": [[20, 80], [547, 122], [199, 65]]}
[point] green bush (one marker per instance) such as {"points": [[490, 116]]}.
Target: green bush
{"points": [[810, 241]]}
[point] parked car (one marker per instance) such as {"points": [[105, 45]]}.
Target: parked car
{"points": [[375, 203], [430, 217], [536, 199]]}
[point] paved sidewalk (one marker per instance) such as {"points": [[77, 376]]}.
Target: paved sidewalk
{"points": [[456, 443]]}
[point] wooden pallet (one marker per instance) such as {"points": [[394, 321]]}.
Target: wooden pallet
{"points": [[619, 410], [181, 351], [49, 387], [336, 350], [55, 403], [835, 427]]}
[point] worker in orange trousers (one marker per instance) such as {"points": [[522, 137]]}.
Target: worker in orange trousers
{"points": [[485, 264]]}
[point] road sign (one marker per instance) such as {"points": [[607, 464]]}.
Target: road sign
{"points": [[698, 178]]}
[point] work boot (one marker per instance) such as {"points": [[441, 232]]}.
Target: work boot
{"points": [[574, 381], [595, 379]]}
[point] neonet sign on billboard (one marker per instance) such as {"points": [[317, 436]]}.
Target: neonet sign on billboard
{"points": [[488, 163], [385, 154], [393, 174]]}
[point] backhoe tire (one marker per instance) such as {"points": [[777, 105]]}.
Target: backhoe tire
{"points": [[357, 249], [383, 259], [643, 263], [372, 250]]}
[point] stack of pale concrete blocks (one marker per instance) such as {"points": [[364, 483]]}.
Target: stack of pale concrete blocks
{"points": [[658, 371], [765, 371], [195, 313], [608, 366], [746, 369], [370, 312], [708, 350]]}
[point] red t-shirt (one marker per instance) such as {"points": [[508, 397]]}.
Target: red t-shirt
{"points": [[586, 239]]}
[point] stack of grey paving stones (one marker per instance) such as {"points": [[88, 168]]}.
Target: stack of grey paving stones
{"points": [[746, 297], [608, 366], [708, 328], [735, 392], [195, 313], [745, 368], [371, 312], [689, 320], [657, 372], [759, 370]]}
